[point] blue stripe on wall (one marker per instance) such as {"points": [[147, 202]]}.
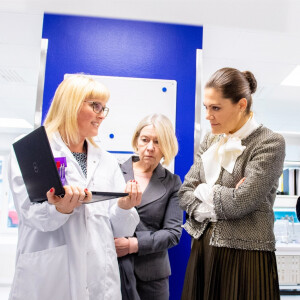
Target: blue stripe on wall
{"points": [[121, 152]]}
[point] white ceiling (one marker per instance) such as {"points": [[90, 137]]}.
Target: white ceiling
{"points": [[271, 56], [260, 36]]}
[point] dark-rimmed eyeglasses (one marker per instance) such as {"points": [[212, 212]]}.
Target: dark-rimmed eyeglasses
{"points": [[98, 108]]}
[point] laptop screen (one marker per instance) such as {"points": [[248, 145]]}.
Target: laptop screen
{"points": [[37, 165]]}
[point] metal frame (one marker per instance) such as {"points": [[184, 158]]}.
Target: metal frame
{"points": [[198, 100], [40, 85]]}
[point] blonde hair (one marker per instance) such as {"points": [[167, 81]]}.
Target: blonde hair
{"points": [[165, 134], [67, 102]]}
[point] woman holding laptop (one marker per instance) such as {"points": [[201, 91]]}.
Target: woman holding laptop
{"points": [[66, 249]]}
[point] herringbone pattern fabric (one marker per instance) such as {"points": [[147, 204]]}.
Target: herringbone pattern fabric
{"points": [[245, 215]]}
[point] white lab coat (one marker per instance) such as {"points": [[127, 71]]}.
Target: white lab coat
{"points": [[71, 257]]}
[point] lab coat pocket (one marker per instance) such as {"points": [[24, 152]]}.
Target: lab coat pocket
{"points": [[42, 275]]}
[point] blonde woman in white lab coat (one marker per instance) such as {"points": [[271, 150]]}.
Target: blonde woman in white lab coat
{"points": [[66, 250]]}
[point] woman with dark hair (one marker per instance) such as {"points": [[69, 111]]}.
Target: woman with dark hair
{"points": [[228, 196]]}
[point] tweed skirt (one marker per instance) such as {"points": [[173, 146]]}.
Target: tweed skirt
{"points": [[218, 273]]}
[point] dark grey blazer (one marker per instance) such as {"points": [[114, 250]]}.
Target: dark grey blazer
{"points": [[160, 222]]}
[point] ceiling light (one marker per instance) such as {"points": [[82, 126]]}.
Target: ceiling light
{"points": [[293, 79], [14, 123]]}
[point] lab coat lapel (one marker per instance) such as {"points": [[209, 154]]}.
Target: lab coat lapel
{"points": [[93, 161], [155, 189]]}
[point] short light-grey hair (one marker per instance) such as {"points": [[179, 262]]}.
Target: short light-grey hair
{"points": [[165, 134]]}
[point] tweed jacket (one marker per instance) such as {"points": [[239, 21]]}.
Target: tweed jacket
{"points": [[160, 222], [245, 215]]}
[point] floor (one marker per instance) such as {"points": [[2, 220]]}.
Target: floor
{"points": [[4, 292]]}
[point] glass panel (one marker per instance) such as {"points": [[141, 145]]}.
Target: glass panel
{"points": [[12, 218], [286, 226], [20, 114]]}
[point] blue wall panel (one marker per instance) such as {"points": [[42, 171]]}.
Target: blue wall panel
{"points": [[111, 47]]}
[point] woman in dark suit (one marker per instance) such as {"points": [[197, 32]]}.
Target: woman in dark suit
{"points": [[143, 259]]}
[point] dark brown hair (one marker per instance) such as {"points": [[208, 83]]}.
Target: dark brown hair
{"points": [[234, 85]]}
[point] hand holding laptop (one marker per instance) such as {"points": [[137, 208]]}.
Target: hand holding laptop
{"points": [[73, 197], [134, 198]]}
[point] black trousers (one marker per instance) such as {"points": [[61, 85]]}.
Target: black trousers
{"points": [[133, 288]]}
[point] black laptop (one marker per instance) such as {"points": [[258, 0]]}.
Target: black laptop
{"points": [[39, 169]]}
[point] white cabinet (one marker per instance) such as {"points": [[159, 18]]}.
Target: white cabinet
{"points": [[288, 252], [285, 202]]}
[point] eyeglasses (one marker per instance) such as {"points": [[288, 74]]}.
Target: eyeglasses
{"points": [[98, 108]]}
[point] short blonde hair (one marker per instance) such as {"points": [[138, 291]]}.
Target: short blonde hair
{"points": [[165, 135], [67, 102]]}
